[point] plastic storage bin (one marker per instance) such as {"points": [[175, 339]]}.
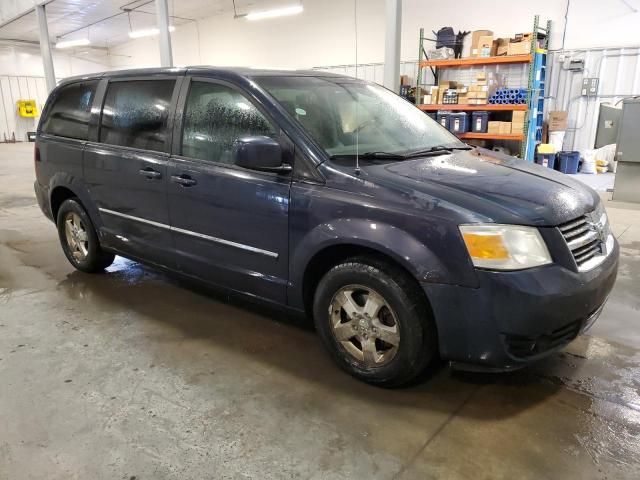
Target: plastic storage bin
{"points": [[479, 122], [568, 162], [459, 122], [546, 159], [443, 118]]}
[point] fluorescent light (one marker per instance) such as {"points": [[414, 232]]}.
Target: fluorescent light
{"points": [[149, 32], [73, 43], [277, 12]]}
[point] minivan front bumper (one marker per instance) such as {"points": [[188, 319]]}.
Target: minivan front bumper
{"points": [[514, 318]]}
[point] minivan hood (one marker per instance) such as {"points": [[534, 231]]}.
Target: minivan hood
{"points": [[501, 188]]}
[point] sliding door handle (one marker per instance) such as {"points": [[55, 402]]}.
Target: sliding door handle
{"points": [[150, 173], [184, 180]]}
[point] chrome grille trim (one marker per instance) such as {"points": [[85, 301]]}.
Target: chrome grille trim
{"points": [[588, 238]]}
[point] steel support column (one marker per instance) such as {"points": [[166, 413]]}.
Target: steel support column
{"points": [[162, 12], [45, 48], [393, 18]]}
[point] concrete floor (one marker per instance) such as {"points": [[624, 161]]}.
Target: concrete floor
{"points": [[132, 374]]}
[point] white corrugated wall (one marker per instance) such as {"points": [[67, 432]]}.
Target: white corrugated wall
{"points": [[12, 89], [618, 70]]}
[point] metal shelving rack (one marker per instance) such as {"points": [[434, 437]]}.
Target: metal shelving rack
{"points": [[536, 59]]}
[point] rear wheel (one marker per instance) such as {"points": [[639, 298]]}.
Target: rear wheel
{"points": [[375, 322], [79, 239]]}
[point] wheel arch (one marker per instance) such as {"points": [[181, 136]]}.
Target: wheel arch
{"points": [[332, 255], [58, 195]]}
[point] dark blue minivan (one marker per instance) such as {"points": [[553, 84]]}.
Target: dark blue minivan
{"points": [[332, 196]]}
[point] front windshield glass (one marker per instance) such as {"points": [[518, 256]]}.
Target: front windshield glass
{"points": [[340, 113]]}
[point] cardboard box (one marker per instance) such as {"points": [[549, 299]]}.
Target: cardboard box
{"points": [[519, 48], [501, 46], [493, 127], [517, 127], [518, 116], [477, 95], [520, 45], [433, 93], [443, 87], [557, 121], [485, 46], [481, 76], [404, 80], [477, 101], [475, 38], [500, 128], [427, 100]]}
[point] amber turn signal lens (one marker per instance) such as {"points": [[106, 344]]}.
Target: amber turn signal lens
{"points": [[485, 246]]}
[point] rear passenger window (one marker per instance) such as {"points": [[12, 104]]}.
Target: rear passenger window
{"points": [[135, 114], [69, 114], [215, 116]]}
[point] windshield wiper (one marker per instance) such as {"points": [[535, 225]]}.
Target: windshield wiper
{"points": [[436, 150], [371, 156]]}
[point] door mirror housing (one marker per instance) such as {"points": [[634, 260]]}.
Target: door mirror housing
{"points": [[259, 153]]}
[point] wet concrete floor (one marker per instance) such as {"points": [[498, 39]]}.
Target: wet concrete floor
{"points": [[133, 374]]}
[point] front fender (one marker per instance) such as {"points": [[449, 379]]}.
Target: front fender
{"points": [[401, 246]]}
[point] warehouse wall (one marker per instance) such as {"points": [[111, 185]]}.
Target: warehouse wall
{"points": [[21, 77], [619, 72], [325, 33]]}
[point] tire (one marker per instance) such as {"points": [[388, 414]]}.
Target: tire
{"points": [[79, 239], [395, 343]]}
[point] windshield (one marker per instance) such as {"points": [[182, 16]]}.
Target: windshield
{"points": [[347, 116]]}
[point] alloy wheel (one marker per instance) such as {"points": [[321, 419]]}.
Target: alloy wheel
{"points": [[365, 325], [76, 236]]}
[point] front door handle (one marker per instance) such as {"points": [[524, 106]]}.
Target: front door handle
{"points": [[184, 180], [150, 173]]}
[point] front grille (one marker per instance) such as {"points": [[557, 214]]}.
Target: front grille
{"points": [[521, 346], [582, 240]]}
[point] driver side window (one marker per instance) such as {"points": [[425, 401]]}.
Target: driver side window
{"points": [[215, 116]]}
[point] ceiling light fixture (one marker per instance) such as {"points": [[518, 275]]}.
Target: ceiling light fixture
{"points": [[277, 12], [73, 43], [149, 32]]}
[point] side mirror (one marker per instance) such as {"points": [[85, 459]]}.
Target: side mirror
{"points": [[259, 153]]}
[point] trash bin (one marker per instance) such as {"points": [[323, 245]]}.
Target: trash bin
{"points": [[546, 159], [568, 162]]}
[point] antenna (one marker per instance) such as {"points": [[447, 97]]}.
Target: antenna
{"points": [[355, 24]]}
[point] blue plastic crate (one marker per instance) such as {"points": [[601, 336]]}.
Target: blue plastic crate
{"points": [[459, 122]]}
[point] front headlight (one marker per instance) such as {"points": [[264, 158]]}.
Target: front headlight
{"points": [[505, 247]]}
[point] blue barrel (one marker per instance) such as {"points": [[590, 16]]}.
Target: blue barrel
{"points": [[479, 121], [546, 159], [569, 162]]}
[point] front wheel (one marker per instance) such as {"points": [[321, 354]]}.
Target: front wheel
{"points": [[375, 322], [79, 239]]}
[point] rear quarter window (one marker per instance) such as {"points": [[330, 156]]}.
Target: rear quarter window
{"points": [[70, 111], [136, 114]]}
